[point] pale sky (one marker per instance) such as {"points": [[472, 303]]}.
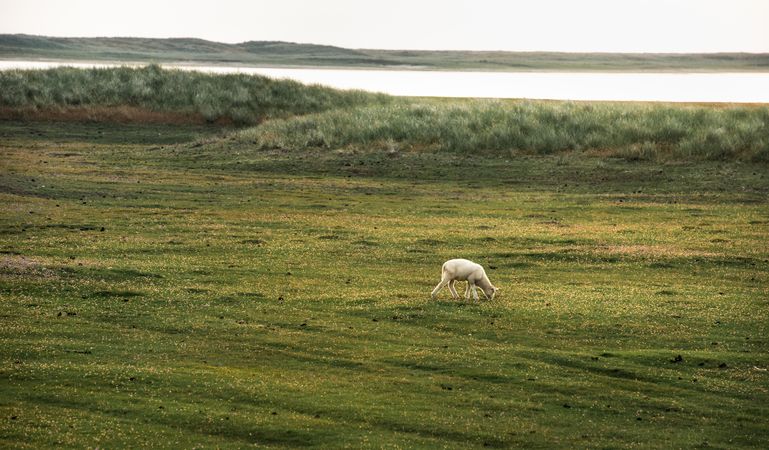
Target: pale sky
{"points": [[527, 25]]}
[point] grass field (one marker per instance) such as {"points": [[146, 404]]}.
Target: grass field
{"points": [[288, 54], [166, 286]]}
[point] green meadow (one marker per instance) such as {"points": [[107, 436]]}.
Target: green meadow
{"points": [[194, 285]]}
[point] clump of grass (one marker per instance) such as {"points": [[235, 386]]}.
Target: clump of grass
{"points": [[240, 98], [648, 132]]}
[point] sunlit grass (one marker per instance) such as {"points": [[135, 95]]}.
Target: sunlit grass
{"points": [[484, 127]]}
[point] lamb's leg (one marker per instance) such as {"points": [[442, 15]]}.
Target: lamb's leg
{"points": [[453, 290], [467, 291], [475, 292], [444, 282]]}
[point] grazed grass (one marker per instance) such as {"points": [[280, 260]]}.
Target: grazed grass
{"points": [[200, 295]]}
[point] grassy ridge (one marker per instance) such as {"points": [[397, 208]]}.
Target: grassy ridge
{"points": [[161, 295], [291, 54], [504, 127], [239, 98], [318, 117]]}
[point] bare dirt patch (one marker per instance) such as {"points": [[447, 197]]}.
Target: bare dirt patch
{"points": [[116, 114], [12, 264]]}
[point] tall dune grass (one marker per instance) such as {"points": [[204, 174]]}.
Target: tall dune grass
{"points": [[244, 99], [625, 130], [304, 116]]}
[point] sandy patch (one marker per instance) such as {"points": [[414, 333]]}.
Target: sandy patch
{"points": [[23, 265]]}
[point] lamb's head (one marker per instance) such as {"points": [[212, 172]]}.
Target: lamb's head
{"points": [[490, 292]]}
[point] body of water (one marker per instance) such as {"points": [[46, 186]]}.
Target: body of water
{"points": [[662, 87]]}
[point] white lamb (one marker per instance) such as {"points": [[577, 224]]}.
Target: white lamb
{"points": [[463, 270]]}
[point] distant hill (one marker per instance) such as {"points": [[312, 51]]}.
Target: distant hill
{"points": [[185, 50], [275, 53]]}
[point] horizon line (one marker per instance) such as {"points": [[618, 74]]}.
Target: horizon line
{"points": [[587, 52]]}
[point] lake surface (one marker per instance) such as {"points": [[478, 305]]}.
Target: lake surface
{"points": [[666, 87]]}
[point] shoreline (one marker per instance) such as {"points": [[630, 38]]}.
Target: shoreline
{"points": [[383, 68], [718, 89]]}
